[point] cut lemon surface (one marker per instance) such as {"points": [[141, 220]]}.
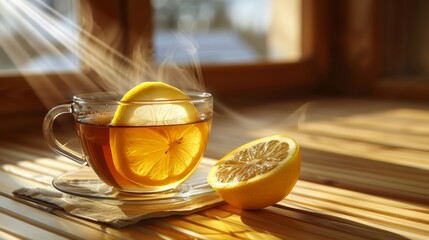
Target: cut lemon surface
{"points": [[257, 174], [158, 156], [157, 145]]}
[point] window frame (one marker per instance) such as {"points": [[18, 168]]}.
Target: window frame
{"points": [[372, 50]]}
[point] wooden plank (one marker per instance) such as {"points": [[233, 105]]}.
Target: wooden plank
{"points": [[26, 173], [189, 231], [372, 203], [283, 226], [411, 175], [375, 215], [49, 222], [363, 213], [32, 151], [228, 221], [370, 221], [337, 228], [232, 229], [10, 182], [25, 230], [406, 157], [382, 138], [317, 187], [398, 121], [162, 232], [364, 182], [7, 235]]}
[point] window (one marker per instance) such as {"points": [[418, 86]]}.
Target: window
{"points": [[227, 31], [33, 36], [288, 60]]}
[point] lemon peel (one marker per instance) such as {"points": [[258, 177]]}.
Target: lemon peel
{"points": [[155, 110]]}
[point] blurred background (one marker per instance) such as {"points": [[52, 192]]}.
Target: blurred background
{"points": [[246, 51], [223, 31]]}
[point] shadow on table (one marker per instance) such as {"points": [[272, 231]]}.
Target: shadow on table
{"points": [[302, 224]]}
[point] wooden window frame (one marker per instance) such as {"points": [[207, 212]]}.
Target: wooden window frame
{"points": [[373, 50], [403, 67]]}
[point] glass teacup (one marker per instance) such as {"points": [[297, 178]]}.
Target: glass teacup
{"points": [[141, 156]]}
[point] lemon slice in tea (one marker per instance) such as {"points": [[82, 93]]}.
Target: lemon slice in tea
{"points": [[257, 174], [157, 146], [132, 114]]}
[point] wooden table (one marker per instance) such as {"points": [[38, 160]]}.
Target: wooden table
{"points": [[365, 175]]}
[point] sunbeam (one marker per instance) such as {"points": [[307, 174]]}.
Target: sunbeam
{"points": [[95, 60]]}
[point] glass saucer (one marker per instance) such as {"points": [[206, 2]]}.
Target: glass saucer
{"points": [[84, 182]]}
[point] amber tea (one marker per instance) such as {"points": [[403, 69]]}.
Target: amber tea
{"points": [[132, 158]]}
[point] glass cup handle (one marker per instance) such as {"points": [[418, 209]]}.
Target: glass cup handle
{"points": [[52, 141]]}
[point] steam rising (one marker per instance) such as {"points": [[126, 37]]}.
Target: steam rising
{"points": [[102, 67]]}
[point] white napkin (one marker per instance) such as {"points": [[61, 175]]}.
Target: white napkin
{"points": [[117, 213]]}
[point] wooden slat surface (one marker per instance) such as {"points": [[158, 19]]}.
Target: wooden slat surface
{"points": [[365, 175]]}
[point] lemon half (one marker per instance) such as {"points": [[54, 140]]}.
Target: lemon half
{"points": [[257, 174]]}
